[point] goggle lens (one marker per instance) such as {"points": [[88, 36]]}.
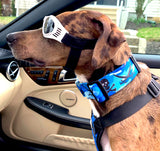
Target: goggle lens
{"points": [[48, 25], [53, 29]]}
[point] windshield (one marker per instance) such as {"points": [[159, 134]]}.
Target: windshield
{"points": [[10, 9]]}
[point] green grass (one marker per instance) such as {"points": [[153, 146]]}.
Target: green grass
{"points": [[6, 19], [150, 33]]}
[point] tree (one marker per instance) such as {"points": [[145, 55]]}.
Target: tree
{"points": [[6, 8], [13, 8], [140, 7], [0, 8]]}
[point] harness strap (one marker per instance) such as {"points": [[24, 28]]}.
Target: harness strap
{"points": [[124, 111]]}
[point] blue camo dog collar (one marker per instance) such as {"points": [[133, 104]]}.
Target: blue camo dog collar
{"points": [[111, 83]]}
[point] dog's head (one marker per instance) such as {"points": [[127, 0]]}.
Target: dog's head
{"points": [[32, 46]]}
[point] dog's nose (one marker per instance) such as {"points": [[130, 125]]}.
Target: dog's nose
{"points": [[11, 37]]}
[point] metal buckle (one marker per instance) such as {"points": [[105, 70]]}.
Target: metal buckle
{"points": [[101, 88], [154, 88]]}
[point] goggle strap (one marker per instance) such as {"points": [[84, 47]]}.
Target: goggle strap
{"points": [[78, 43], [73, 59]]}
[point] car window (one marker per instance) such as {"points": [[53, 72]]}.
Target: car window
{"points": [[138, 19], [10, 9]]}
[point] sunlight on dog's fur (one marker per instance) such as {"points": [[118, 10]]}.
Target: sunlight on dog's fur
{"points": [[141, 131]]}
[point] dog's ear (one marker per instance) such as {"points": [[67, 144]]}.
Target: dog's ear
{"points": [[116, 37], [109, 40]]}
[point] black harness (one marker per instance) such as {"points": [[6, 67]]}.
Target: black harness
{"points": [[124, 111]]}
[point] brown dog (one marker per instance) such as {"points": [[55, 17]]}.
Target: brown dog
{"points": [[141, 131]]}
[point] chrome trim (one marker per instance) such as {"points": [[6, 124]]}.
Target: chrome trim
{"points": [[12, 71]]}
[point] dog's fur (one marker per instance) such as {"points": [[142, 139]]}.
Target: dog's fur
{"points": [[141, 131]]}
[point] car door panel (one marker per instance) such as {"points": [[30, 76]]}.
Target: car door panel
{"points": [[155, 71], [45, 75], [21, 122], [56, 113], [152, 61], [7, 90]]}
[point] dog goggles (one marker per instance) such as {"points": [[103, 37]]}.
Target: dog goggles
{"points": [[53, 29]]}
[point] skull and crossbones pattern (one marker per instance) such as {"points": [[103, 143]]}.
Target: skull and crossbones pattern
{"points": [[105, 84]]}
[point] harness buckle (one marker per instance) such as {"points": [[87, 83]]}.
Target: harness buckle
{"points": [[154, 88]]}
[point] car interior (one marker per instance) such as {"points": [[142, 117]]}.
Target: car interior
{"points": [[41, 107]]}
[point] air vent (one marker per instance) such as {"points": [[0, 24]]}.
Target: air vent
{"points": [[12, 71]]}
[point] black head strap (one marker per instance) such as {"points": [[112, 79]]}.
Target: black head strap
{"points": [[77, 45], [73, 59]]}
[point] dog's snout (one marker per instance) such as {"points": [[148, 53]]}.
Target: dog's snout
{"points": [[11, 37]]}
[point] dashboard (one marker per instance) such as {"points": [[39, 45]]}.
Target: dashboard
{"points": [[49, 75]]}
